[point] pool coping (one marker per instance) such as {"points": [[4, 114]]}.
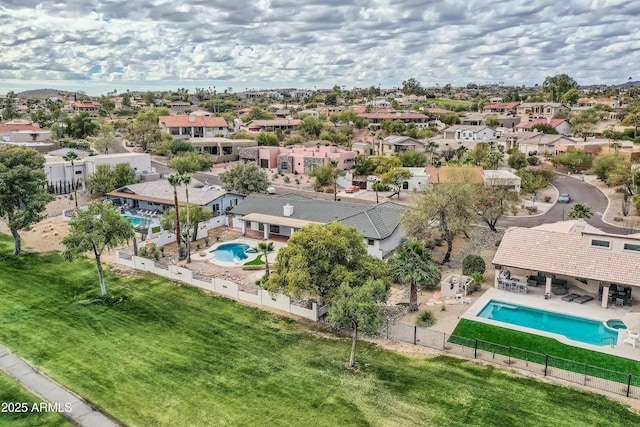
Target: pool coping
{"points": [[556, 305]]}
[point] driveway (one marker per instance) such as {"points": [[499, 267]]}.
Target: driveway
{"points": [[581, 192]]}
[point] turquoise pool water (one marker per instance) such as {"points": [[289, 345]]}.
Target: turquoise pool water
{"points": [[574, 328], [136, 221], [230, 251]]}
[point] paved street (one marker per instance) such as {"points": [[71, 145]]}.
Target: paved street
{"points": [[581, 192]]}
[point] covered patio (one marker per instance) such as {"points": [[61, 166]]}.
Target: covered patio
{"points": [[572, 261]]}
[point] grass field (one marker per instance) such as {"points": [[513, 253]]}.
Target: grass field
{"points": [[166, 355], [450, 104], [11, 392], [544, 345]]}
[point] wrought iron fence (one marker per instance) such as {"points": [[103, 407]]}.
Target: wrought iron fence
{"points": [[621, 383]]}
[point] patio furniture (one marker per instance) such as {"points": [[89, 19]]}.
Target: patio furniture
{"points": [[583, 299], [619, 302], [570, 297], [631, 339], [559, 290]]}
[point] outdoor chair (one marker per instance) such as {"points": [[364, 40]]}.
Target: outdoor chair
{"points": [[631, 339], [619, 302]]}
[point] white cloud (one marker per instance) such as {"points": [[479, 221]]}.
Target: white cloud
{"points": [[305, 43]]}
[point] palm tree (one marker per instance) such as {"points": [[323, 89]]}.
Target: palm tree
{"points": [[616, 145], [494, 158], [461, 151], [335, 173], [413, 264], [580, 211], [185, 178], [174, 181], [430, 148], [265, 248], [437, 163], [72, 156]]}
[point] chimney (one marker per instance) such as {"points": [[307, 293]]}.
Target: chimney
{"points": [[548, 120], [192, 118], [288, 210]]}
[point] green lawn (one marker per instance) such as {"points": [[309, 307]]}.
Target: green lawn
{"points": [[166, 353], [544, 345], [256, 261], [13, 392], [450, 104]]}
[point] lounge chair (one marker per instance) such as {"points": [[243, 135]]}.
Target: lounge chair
{"points": [[631, 339], [583, 299], [570, 297]]}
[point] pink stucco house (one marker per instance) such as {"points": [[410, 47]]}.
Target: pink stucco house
{"points": [[297, 159]]}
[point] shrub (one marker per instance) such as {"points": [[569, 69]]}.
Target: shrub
{"points": [[620, 190], [547, 199], [478, 277], [618, 219], [532, 209], [143, 252], [532, 160], [472, 264], [498, 242], [426, 319], [207, 240], [287, 180]]}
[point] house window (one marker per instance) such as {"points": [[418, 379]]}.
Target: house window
{"points": [[284, 165], [370, 242], [227, 150], [274, 229], [600, 243], [631, 247], [405, 185]]}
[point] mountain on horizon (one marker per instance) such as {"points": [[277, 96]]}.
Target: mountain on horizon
{"points": [[43, 93]]}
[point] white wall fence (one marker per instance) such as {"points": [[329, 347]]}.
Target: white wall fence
{"points": [[221, 287]]}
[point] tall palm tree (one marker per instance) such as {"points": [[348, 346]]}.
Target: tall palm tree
{"points": [[185, 178], [72, 156], [430, 148], [413, 264], [494, 158], [265, 248], [580, 211], [174, 181], [437, 163], [335, 173]]}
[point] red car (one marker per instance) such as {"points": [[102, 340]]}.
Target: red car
{"points": [[352, 189]]}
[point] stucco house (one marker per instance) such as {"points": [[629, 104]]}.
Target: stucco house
{"points": [[531, 110], [158, 196], [501, 108], [395, 144], [193, 126], [375, 119], [297, 158], [282, 215], [273, 124], [470, 133], [220, 149], [561, 125], [573, 256]]}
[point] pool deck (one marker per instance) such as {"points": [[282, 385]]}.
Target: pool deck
{"points": [[210, 257], [590, 310]]}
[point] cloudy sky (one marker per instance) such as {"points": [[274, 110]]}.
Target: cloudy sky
{"points": [[101, 45]]}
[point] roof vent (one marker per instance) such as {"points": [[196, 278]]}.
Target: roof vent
{"points": [[288, 210]]}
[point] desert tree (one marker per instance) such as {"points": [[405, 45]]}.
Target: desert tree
{"points": [[23, 194], [95, 229]]}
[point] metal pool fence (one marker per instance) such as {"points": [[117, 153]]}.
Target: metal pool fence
{"points": [[621, 383]]}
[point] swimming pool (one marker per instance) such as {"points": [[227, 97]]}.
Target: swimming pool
{"points": [[574, 328], [136, 221], [229, 252]]}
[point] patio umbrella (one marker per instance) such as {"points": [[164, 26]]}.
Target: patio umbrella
{"points": [[632, 320]]}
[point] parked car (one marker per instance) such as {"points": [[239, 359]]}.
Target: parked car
{"points": [[564, 198], [352, 189]]}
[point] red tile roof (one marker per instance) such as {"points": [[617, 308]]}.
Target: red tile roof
{"points": [[501, 106], [16, 128], [394, 116], [192, 121], [541, 121]]}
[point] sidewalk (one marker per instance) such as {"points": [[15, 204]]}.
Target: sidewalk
{"points": [[68, 404]]}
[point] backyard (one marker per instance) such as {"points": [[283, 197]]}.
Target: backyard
{"points": [[155, 352]]}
